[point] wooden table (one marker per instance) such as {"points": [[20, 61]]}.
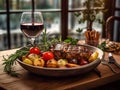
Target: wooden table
{"points": [[28, 81]]}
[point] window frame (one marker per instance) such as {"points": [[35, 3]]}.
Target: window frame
{"points": [[110, 12], [64, 17]]}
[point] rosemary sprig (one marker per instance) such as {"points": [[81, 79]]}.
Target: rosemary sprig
{"points": [[10, 61], [46, 42]]}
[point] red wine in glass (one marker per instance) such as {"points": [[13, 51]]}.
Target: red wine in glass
{"points": [[31, 25], [32, 29]]}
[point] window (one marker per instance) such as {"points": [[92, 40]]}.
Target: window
{"points": [[77, 6], [113, 9], [58, 15], [117, 22]]}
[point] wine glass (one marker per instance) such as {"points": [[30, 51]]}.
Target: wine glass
{"points": [[31, 25]]}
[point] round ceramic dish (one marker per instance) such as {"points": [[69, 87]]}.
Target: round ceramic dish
{"points": [[60, 72]]}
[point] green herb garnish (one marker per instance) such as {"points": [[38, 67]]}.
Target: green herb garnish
{"points": [[71, 40], [102, 46], [10, 61], [46, 43]]}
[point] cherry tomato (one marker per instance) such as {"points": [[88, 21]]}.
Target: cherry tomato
{"points": [[48, 55], [35, 50]]}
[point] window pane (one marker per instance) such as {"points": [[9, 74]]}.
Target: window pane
{"points": [[117, 3], [2, 4], [47, 4], [20, 4], [39, 4], [96, 25], [52, 23], [3, 32], [116, 25], [14, 21], [76, 4], [74, 25], [82, 3], [3, 22], [17, 37]]}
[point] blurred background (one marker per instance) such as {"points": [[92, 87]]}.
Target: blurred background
{"points": [[55, 13]]}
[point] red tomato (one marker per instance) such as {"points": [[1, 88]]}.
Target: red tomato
{"points": [[35, 50], [48, 55]]}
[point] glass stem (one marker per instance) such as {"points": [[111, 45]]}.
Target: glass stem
{"points": [[32, 40]]}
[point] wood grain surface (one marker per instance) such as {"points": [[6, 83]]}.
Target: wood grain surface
{"points": [[28, 81]]}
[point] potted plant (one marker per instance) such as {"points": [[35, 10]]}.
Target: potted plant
{"points": [[90, 15]]}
